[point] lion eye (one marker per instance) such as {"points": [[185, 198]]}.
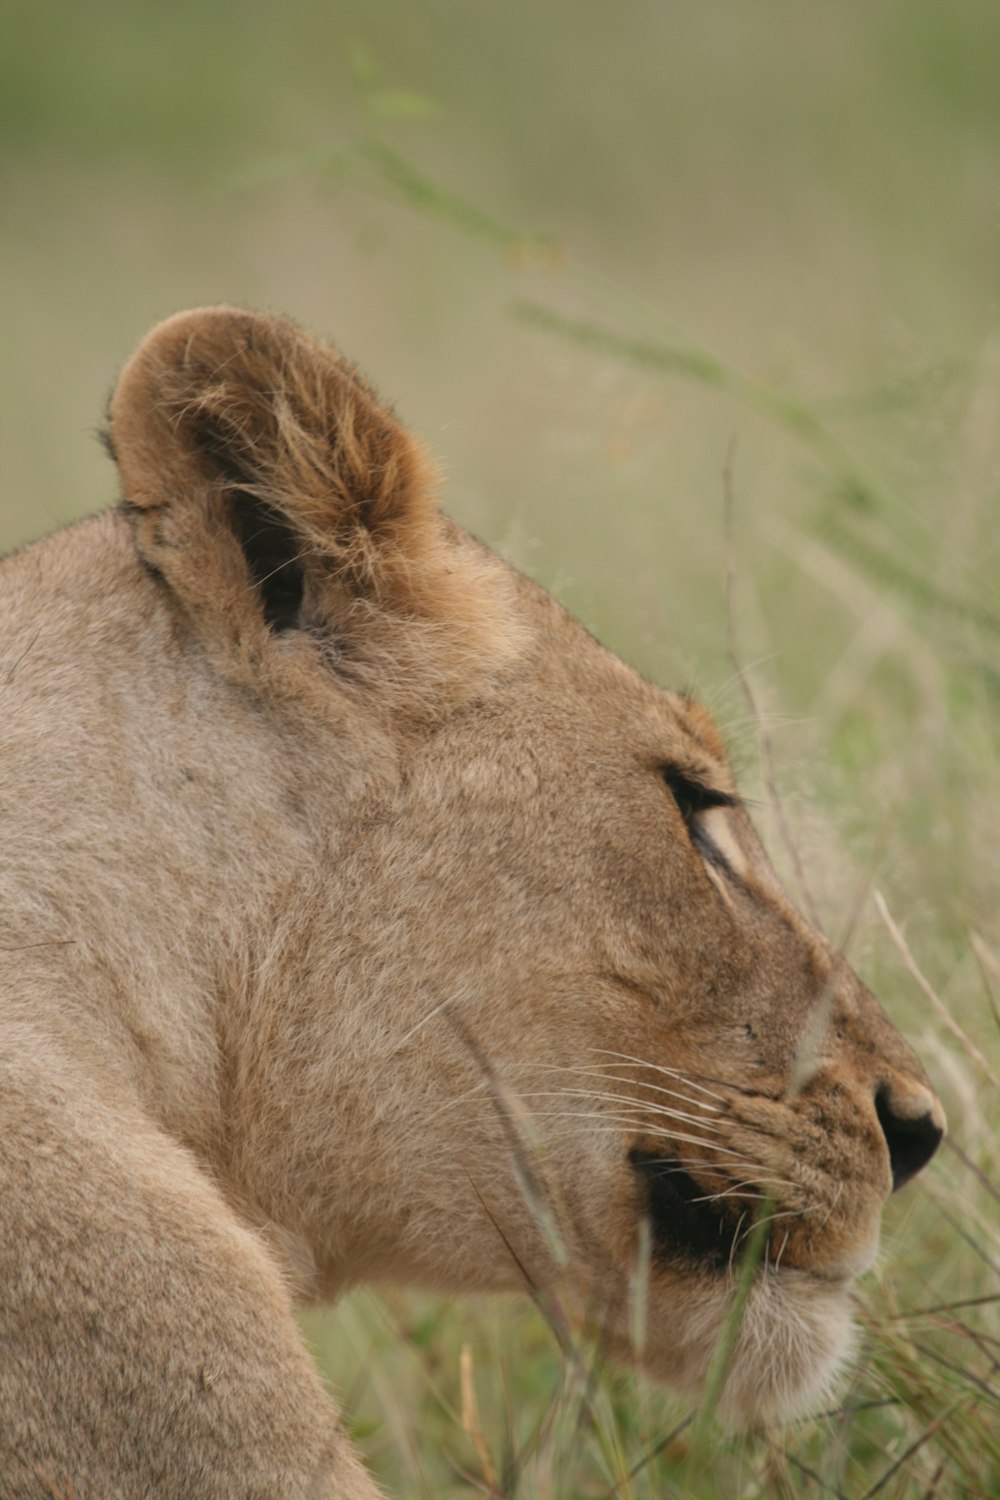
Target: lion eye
{"points": [[694, 799], [693, 796]]}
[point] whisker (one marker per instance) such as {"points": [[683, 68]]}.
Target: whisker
{"points": [[838, 1194], [750, 1189], [639, 1062], [607, 1076], [761, 1178], [788, 1213], [602, 1118], [763, 1175], [673, 1094], [736, 1238], [627, 1099]]}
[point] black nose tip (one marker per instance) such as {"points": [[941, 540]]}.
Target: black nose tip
{"points": [[912, 1142]]}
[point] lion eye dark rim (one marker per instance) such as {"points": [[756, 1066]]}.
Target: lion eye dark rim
{"points": [[693, 798]]}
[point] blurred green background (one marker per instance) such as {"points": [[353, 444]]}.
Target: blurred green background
{"points": [[602, 256]]}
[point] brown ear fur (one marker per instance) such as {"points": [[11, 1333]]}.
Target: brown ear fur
{"points": [[226, 419]]}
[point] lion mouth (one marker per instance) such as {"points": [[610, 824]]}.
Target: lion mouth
{"points": [[686, 1221]]}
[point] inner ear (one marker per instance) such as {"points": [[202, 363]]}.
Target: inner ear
{"points": [[273, 550], [274, 555]]}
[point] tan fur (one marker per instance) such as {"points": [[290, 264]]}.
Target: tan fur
{"points": [[349, 932]]}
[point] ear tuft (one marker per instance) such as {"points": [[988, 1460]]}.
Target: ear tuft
{"points": [[243, 402], [271, 489]]}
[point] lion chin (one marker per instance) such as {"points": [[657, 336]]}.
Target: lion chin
{"points": [[796, 1339], [793, 1349]]}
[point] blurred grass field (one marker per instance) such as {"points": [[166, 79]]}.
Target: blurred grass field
{"points": [[611, 261]]}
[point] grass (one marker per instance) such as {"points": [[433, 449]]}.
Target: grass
{"points": [[613, 261]]}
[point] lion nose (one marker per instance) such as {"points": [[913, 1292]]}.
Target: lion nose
{"points": [[913, 1124]]}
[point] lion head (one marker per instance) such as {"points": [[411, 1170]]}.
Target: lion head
{"points": [[502, 987]]}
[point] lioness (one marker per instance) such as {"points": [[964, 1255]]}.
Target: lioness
{"points": [[362, 918]]}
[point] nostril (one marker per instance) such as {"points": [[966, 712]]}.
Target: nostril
{"points": [[911, 1141]]}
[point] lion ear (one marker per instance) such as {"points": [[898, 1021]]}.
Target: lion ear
{"points": [[271, 489]]}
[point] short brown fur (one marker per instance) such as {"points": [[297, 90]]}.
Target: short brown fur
{"points": [[306, 916]]}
